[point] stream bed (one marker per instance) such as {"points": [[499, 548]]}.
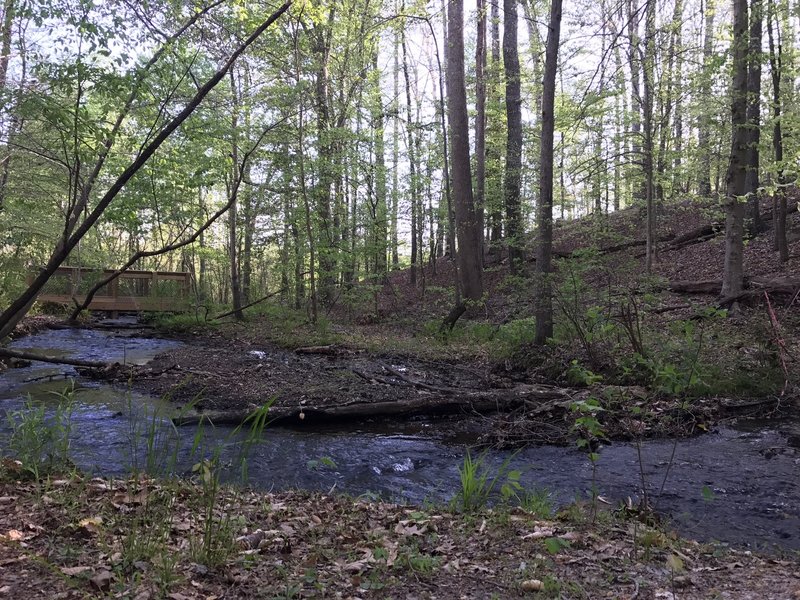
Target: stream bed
{"points": [[736, 485]]}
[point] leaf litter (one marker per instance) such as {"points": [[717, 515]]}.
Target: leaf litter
{"points": [[91, 540]]}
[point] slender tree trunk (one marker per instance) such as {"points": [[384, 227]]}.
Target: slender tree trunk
{"points": [[326, 247], [776, 70], [648, 73], [6, 22], [469, 257], [732, 278], [201, 280], [233, 241], [668, 97], [381, 210], [636, 99], [704, 124], [412, 161], [492, 151], [544, 216], [754, 57], [395, 153], [677, 176], [514, 139], [480, 118]]}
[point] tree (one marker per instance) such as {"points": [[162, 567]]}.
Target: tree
{"points": [[514, 139], [81, 216], [754, 57], [544, 214], [468, 234], [776, 70], [704, 124], [732, 278], [480, 116]]}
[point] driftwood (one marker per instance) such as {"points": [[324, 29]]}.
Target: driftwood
{"points": [[542, 399], [73, 362]]}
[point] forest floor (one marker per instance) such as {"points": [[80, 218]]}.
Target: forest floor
{"points": [[138, 538], [656, 362]]}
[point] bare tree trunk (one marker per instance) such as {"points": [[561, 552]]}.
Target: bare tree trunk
{"points": [[492, 151], [7, 21], [678, 182], [732, 280], [636, 98], [469, 257], [704, 124], [668, 96], [381, 212], [776, 70], [754, 57], [648, 72], [326, 246], [544, 216], [395, 153], [480, 118], [514, 141], [412, 161], [233, 241]]}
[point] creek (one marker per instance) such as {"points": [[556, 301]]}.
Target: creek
{"points": [[737, 484]]}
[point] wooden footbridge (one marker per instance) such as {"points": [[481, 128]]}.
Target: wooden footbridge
{"points": [[131, 291]]}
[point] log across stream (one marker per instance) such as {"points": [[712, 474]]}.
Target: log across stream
{"points": [[737, 485]]}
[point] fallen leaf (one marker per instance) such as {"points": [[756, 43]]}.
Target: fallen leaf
{"points": [[531, 585], [73, 571], [91, 524], [102, 581]]}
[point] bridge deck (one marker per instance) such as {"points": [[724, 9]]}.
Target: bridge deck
{"points": [[132, 291]]}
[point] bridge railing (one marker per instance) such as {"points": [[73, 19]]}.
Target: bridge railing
{"points": [[131, 291]]}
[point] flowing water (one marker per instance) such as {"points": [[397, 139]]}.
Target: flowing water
{"points": [[737, 484]]}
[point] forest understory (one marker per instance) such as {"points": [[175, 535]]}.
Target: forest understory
{"points": [[649, 356]]}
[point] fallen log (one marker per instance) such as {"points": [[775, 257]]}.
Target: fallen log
{"points": [[753, 286], [702, 286], [323, 350], [541, 398], [73, 362]]}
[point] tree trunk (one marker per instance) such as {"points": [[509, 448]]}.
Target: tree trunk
{"points": [[7, 21], [381, 211], [469, 257], [544, 216], [636, 98], [648, 73], [395, 153], [704, 124], [493, 152], [779, 199], [233, 241], [412, 161], [732, 279], [325, 243], [511, 194], [667, 103], [480, 118], [754, 57]]}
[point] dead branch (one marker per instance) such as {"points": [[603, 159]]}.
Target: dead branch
{"points": [[73, 362], [259, 301]]}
